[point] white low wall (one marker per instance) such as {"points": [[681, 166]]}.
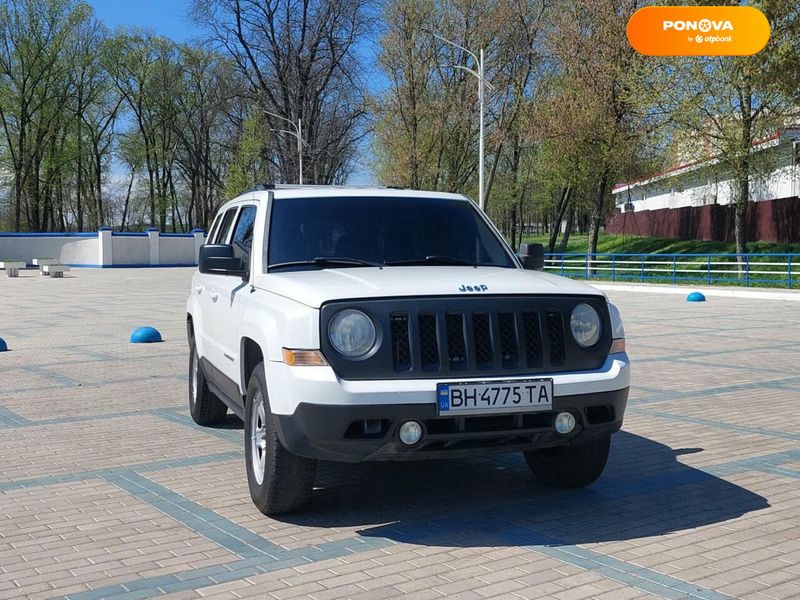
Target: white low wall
{"points": [[104, 248], [132, 250], [175, 251], [67, 249]]}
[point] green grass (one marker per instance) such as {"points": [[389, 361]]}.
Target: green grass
{"points": [[628, 244]]}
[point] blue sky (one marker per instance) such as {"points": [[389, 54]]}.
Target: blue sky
{"points": [[165, 17]]}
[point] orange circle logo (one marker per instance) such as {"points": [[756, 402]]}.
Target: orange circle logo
{"points": [[698, 30]]}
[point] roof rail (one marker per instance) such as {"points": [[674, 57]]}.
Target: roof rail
{"points": [[295, 186]]}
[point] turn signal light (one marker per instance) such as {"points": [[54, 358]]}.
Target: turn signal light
{"points": [[304, 358], [617, 346]]}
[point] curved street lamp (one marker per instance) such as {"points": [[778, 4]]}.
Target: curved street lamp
{"points": [[298, 133], [481, 82]]}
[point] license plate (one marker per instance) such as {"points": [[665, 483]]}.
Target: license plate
{"points": [[486, 397]]}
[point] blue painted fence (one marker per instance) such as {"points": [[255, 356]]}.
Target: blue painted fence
{"points": [[769, 270]]}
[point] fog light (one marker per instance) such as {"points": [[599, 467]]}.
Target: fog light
{"points": [[565, 422], [410, 433]]}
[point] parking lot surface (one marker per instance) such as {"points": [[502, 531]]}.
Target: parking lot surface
{"points": [[107, 488]]}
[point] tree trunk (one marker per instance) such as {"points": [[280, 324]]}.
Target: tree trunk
{"points": [[742, 173], [127, 201], [79, 171], [555, 228], [597, 213], [562, 246], [98, 182]]}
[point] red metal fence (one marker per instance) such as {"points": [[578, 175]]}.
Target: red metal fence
{"points": [[768, 220]]}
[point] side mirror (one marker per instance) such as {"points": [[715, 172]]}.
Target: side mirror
{"points": [[532, 256], [218, 259]]}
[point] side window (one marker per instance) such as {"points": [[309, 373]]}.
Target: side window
{"points": [[225, 227], [243, 234], [212, 231]]}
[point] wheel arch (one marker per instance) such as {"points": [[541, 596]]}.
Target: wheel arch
{"points": [[251, 355]]}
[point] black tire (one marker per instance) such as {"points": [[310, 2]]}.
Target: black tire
{"points": [[569, 467], [286, 480], [205, 407]]}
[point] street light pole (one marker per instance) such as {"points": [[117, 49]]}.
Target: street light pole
{"points": [[481, 83], [298, 133], [481, 200], [300, 147]]}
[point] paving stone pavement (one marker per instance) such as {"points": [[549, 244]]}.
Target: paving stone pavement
{"points": [[107, 489]]}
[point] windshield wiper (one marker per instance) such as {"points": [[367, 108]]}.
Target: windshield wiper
{"points": [[327, 261], [431, 260]]}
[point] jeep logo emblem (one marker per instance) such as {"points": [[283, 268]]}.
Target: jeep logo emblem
{"points": [[474, 288]]}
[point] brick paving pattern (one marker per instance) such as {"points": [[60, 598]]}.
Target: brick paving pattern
{"points": [[107, 488]]}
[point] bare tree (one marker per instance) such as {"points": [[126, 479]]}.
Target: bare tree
{"points": [[301, 61]]}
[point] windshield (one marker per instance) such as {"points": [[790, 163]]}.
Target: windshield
{"points": [[314, 233]]}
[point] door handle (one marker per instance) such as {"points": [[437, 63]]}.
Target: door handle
{"points": [[198, 288], [214, 296]]}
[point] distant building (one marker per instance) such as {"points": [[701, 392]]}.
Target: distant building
{"points": [[694, 200]]}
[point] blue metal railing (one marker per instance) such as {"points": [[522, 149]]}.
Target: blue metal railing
{"points": [[770, 270]]}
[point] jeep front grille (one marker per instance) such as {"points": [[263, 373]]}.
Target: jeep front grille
{"points": [[474, 336], [497, 341]]}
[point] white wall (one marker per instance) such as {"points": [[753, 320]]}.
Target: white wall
{"points": [[710, 185], [130, 250], [89, 249], [176, 251], [67, 249]]}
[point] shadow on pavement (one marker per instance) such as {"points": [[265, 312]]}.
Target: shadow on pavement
{"points": [[494, 501]]}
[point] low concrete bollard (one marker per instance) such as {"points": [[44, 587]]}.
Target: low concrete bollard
{"points": [[54, 271], [12, 267], [43, 262]]}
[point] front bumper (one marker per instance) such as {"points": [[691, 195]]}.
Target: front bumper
{"points": [[335, 432]]}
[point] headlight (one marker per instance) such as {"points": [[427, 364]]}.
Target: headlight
{"points": [[617, 330], [585, 325], [352, 332]]}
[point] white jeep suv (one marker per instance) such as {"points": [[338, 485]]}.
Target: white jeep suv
{"points": [[366, 324]]}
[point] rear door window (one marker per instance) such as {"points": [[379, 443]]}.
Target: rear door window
{"points": [[221, 236]]}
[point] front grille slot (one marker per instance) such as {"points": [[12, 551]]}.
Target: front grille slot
{"points": [[428, 342], [533, 338], [456, 344], [401, 345], [555, 337], [482, 332], [507, 326]]}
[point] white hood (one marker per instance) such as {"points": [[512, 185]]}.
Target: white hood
{"points": [[315, 287]]}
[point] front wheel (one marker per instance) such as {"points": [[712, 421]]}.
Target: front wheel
{"points": [[569, 466], [279, 481]]}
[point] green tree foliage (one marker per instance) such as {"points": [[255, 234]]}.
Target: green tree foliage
{"points": [[248, 167], [426, 122]]}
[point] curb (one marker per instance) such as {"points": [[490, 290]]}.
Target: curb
{"points": [[708, 292]]}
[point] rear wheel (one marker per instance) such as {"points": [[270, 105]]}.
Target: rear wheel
{"points": [[205, 407], [279, 481], [569, 466]]}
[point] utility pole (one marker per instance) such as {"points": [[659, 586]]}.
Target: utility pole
{"points": [[481, 192], [298, 133], [300, 147], [481, 83]]}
